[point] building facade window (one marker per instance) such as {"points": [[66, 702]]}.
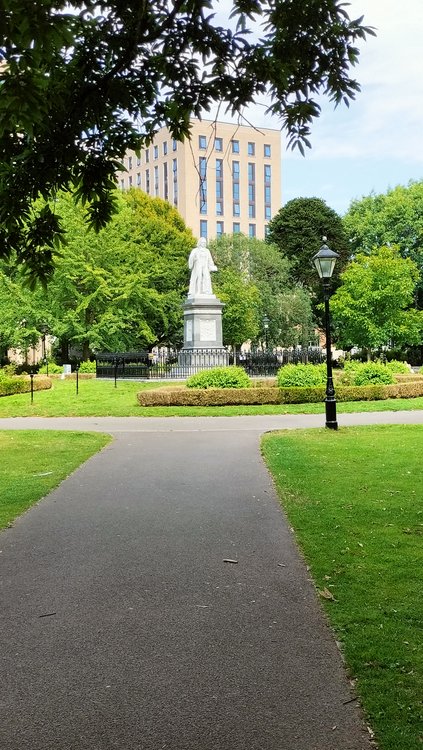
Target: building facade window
{"points": [[267, 192], [156, 181], [203, 228], [218, 144], [235, 147], [147, 181], [251, 230], [251, 148], [267, 150], [202, 142], [174, 144], [219, 228], [235, 188], [165, 182], [156, 152], [138, 161], [219, 187], [122, 184], [147, 155], [130, 180], [139, 179], [251, 190], [175, 181], [202, 170], [129, 162], [165, 148], [236, 227]]}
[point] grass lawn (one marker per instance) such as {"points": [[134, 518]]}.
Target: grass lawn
{"points": [[355, 500], [32, 463], [99, 398]]}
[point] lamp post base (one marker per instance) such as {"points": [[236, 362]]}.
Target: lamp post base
{"points": [[331, 422]]}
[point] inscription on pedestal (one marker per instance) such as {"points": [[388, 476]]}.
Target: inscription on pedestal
{"points": [[207, 330], [188, 330]]}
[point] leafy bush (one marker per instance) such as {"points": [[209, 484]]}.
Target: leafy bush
{"points": [[8, 370], [22, 384], [87, 366], [53, 369], [301, 375], [396, 366], [220, 377], [373, 373]]}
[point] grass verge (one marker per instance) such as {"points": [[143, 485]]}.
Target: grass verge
{"points": [[32, 463], [354, 498], [99, 398]]}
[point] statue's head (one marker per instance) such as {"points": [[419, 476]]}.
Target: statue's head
{"points": [[202, 242]]}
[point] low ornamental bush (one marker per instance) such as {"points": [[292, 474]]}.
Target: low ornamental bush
{"points": [[53, 369], [87, 366], [22, 384], [398, 367], [220, 377], [301, 375], [373, 373]]}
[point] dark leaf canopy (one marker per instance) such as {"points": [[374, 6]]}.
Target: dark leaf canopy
{"points": [[81, 84]]}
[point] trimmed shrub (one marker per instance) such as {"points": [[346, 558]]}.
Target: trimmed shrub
{"points": [[180, 396], [398, 367], [209, 397], [372, 373], [87, 366], [22, 384], [220, 377], [301, 375], [410, 378]]}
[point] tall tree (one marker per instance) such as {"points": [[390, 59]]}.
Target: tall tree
{"points": [[82, 83], [373, 305], [298, 228], [395, 217], [118, 289], [286, 306]]}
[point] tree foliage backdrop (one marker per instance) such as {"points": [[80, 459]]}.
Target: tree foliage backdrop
{"points": [[298, 228], [254, 274], [119, 289], [82, 83], [373, 307], [395, 218]]}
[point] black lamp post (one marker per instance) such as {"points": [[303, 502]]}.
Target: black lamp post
{"points": [[325, 261], [266, 329]]}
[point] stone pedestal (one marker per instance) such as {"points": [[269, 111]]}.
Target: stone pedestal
{"points": [[203, 347]]}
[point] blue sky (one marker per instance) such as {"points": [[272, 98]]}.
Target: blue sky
{"points": [[376, 143]]}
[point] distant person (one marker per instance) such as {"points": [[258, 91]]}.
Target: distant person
{"points": [[200, 263]]}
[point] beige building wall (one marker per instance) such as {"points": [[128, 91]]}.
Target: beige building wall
{"points": [[226, 178]]}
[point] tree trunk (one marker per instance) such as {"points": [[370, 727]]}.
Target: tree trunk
{"points": [[369, 355], [86, 351], [64, 350]]}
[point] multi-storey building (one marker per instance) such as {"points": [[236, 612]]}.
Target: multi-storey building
{"points": [[225, 179]]}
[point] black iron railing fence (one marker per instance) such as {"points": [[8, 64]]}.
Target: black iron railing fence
{"points": [[169, 364]]}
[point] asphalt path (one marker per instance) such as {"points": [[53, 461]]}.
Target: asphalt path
{"points": [[123, 623]]}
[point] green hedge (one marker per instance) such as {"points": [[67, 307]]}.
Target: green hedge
{"points": [[22, 384], [266, 395]]}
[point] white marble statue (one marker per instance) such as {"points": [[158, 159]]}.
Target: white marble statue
{"points": [[200, 263]]}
